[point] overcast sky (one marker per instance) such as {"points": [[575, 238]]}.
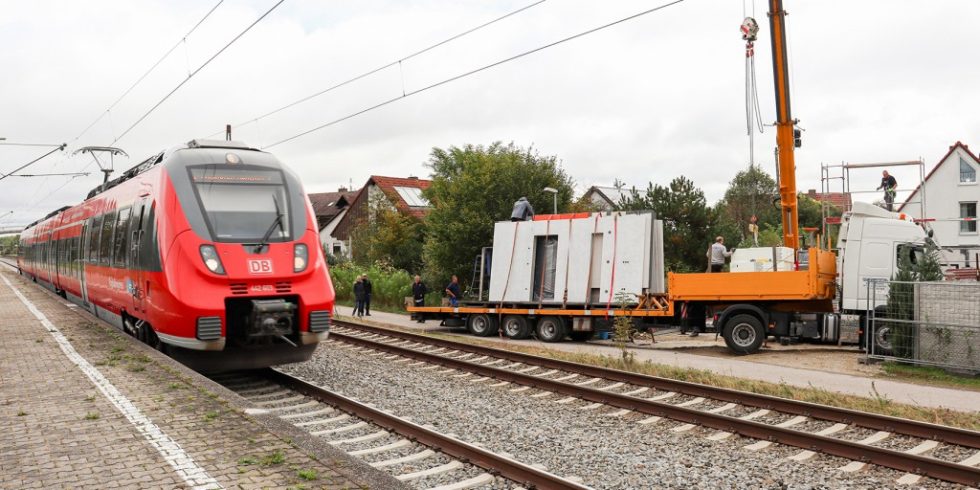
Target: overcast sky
{"points": [[646, 100]]}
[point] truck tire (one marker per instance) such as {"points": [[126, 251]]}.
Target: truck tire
{"points": [[744, 334], [551, 329], [481, 325], [516, 327]]}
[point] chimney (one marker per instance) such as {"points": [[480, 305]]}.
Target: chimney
{"points": [[412, 177], [342, 189]]}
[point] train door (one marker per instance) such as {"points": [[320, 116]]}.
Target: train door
{"points": [[136, 234], [83, 256]]}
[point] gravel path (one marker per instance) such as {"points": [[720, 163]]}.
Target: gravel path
{"points": [[606, 452]]}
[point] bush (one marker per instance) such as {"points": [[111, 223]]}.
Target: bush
{"points": [[389, 288]]}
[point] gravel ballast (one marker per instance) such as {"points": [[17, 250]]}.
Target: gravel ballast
{"points": [[606, 452]]}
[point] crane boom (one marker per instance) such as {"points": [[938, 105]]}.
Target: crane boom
{"points": [[784, 126]]}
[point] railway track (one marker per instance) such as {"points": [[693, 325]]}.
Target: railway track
{"points": [[652, 396], [414, 454]]}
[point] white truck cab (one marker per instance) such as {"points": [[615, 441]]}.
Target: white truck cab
{"points": [[869, 245]]}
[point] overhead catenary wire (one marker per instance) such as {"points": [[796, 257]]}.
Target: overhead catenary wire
{"points": [[397, 62], [182, 40], [475, 71], [196, 71], [22, 167]]}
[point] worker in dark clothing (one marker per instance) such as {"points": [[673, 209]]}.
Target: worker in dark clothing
{"points": [[453, 291], [359, 297], [367, 294], [889, 184], [522, 210], [418, 297]]}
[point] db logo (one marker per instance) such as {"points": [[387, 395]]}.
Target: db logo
{"points": [[260, 266]]}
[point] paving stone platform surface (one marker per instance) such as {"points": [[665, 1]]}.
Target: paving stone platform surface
{"points": [[84, 406]]}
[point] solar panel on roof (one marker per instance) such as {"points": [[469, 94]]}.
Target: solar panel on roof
{"points": [[412, 196]]}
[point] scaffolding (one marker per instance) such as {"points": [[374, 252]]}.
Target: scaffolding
{"points": [[830, 173]]}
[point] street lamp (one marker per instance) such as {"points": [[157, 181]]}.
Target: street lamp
{"points": [[554, 193]]}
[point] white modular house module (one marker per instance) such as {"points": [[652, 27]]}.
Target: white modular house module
{"points": [[595, 259]]}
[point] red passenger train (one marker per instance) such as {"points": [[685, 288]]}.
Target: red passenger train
{"points": [[208, 251]]}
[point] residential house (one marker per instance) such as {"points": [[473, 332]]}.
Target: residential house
{"points": [[330, 208], [404, 194], [950, 193], [605, 198]]}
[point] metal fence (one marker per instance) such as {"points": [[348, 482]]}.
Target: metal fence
{"points": [[927, 323]]}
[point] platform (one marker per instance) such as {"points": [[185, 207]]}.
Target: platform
{"points": [[85, 406]]}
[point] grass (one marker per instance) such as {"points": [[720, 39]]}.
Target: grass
{"points": [[174, 386], [930, 375], [92, 416], [210, 416], [308, 475], [21, 413], [90, 398], [875, 404], [247, 461], [274, 458]]}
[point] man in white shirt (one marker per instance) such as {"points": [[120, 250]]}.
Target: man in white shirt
{"points": [[717, 254]]}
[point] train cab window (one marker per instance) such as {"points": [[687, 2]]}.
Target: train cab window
{"points": [[243, 204], [121, 240], [105, 241]]}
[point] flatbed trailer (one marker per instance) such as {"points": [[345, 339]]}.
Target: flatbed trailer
{"points": [[747, 307]]}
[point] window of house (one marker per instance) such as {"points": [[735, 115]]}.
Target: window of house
{"points": [[968, 174], [968, 210], [336, 249]]}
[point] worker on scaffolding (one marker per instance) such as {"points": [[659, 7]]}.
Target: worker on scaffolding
{"points": [[889, 184]]}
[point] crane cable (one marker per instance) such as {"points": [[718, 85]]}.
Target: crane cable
{"points": [[753, 115]]}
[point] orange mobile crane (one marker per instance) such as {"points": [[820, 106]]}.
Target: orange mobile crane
{"points": [[746, 307]]}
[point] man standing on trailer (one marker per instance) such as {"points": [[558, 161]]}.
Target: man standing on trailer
{"points": [[418, 297], [453, 291], [522, 210], [717, 254], [889, 184], [367, 294]]}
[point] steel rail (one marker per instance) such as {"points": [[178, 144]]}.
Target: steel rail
{"points": [[490, 461], [916, 464], [922, 430]]}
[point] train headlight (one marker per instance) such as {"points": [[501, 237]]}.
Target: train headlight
{"points": [[211, 260], [301, 256]]}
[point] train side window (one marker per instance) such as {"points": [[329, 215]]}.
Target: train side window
{"points": [[121, 239], [105, 241], [94, 233]]}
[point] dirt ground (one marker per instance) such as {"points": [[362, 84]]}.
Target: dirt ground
{"points": [[831, 358]]}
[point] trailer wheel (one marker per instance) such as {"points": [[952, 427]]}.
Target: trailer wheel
{"points": [[516, 327], [481, 325], [581, 336], [744, 334], [551, 329]]}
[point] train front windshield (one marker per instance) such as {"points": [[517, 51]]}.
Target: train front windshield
{"points": [[243, 204]]}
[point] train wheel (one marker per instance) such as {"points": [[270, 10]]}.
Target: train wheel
{"points": [[744, 334], [516, 327], [551, 329], [482, 325]]}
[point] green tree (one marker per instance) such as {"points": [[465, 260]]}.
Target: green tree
{"points": [[687, 221], [751, 193], [472, 188], [388, 237]]}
